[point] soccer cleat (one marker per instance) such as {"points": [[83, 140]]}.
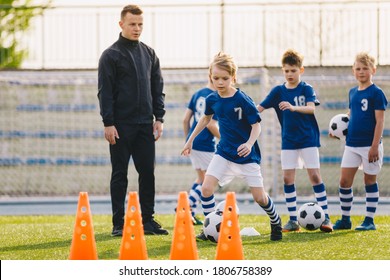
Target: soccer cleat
{"points": [[201, 236], [117, 231], [276, 231], [152, 227], [291, 226], [326, 225], [196, 221], [366, 226], [342, 224]]}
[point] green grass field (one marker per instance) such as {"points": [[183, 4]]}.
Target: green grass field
{"points": [[49, 238]]}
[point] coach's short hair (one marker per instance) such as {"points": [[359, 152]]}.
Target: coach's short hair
{"points": [[133, 9]]}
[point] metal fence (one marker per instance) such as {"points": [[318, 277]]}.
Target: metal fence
{"points": [[328, 33], [52, 142], [51, 139]]}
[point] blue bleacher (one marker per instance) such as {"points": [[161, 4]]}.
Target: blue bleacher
{"points": [[38, 161], [98, 133], [13, 134], [338, 105], [30, 107], [335, 105], [12, 161], [77, 161], [168, 133], [386, 132], [56, 107], [99, 161], [80, 107]]}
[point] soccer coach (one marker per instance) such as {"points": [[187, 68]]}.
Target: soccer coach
{"points": [[130, 92]]}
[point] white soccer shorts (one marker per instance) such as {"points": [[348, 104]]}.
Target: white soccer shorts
{"points": [[300, 158], [358, 157], [225, 171], [200, 160]]}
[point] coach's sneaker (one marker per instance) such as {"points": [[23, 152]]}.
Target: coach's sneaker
{"points": [[366, 226], [291, 226], [276, 231], [117, 231], [152, 227], [201, 236], [342, 224], [326, 226]]}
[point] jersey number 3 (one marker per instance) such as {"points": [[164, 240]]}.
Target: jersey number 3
{"points": [[364, 104]]}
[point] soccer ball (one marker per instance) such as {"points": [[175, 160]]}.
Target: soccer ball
{"points": [[212, 225], [311, 216], [221, 207], [338, 126]]}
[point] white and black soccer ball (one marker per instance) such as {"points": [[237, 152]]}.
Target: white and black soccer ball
{"points": [[212, 225], [311, 216], [338, 126], [221, 207]]}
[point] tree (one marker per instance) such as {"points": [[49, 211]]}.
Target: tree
{"points": [[15, 19]]}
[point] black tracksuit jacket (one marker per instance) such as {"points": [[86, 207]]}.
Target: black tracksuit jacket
{"points": [[130, 84]]}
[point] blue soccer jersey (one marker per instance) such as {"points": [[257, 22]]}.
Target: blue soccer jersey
{"points": [[205, 140], [298, 130], [235, 116], [362, 106]]}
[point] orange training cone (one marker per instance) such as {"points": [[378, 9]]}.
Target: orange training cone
{"points": [[83, 245], [133, 245], [229, 245], [183, 241]]}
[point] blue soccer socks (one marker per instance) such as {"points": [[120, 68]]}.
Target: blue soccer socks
{"points": [[271, 212], [346, 200], [194, 196], [372, 198], [290, 194], [208, 204], [320, 194]]}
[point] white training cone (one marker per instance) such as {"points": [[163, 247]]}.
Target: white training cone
{"points": [[249, 231]]}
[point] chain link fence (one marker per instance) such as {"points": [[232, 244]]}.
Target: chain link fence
{"points": [[52, 143]]}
